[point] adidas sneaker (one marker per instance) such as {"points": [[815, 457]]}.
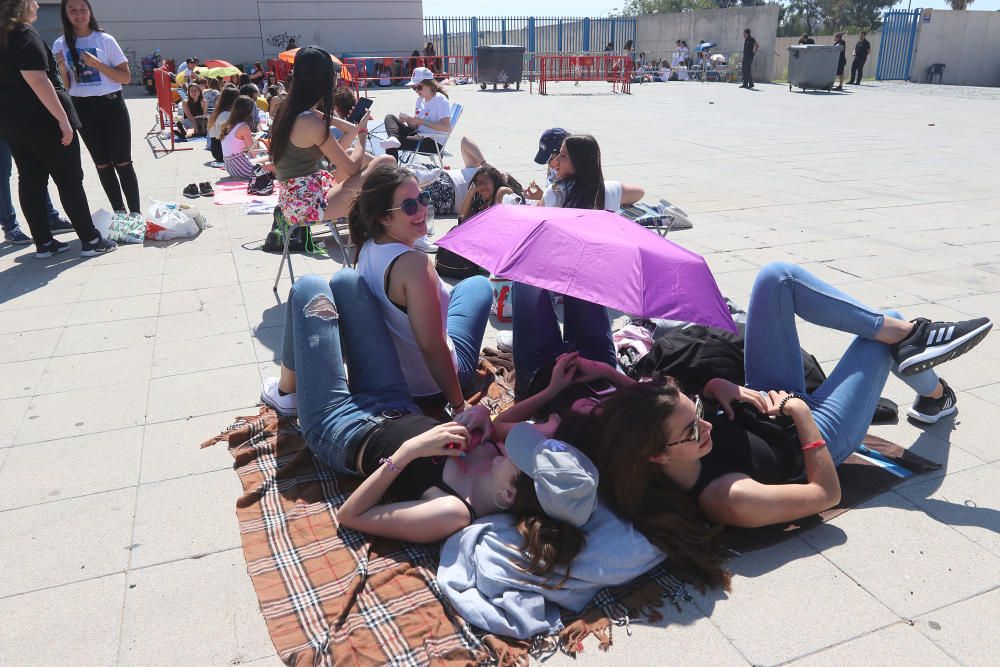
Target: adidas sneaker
{"points": [[933, 343], [929, 410]]}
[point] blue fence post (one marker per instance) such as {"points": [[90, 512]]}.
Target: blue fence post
{"points": [[503, 31], [444, 43], [614, 23], [531, 35], [914, 22], [586, 34], [559, 37], [474, 30]]}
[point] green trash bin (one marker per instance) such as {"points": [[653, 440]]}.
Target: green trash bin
{"points": [[812, 66], [501, 64]]}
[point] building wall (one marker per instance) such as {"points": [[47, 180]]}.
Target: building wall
{"points": [[657, 34], [968, 43], [242, 31], [781, 58]]}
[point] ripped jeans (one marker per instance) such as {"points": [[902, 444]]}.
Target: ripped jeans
{"points": [[335, 414]]}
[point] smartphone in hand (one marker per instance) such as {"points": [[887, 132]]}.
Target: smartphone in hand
{"points": [[360, 109]]}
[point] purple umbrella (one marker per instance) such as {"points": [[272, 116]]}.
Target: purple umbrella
{"points": [[598, 256]]}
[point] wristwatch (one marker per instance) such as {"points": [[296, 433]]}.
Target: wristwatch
{"points": [[449, 409]]}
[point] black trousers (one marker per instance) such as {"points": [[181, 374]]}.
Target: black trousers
{"points": [[857, 67], [38, 158], [397, 128], [748, 70], [107, 133]]}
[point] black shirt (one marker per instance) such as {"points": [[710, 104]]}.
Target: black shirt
{"points": [[862, 49], [22, 114], [843, 54], [748, 45]]}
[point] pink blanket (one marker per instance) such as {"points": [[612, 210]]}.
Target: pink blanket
{"points": [[235, 192]]}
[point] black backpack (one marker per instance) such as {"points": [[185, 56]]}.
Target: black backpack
{"points": [[450, 265]]}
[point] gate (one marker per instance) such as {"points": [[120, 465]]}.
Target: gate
{"points": [[898, 35]]}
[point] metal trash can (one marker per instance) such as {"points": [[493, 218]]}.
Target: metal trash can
{"points": [[500, 64], [812, 66]]}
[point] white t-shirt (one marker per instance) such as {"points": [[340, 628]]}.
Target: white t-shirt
{"points": [[215, 131], [461, 179], [434, 109], [92, 83], [554, 198]]}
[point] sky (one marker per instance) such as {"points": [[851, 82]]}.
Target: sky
{"points": [[595, 7]]}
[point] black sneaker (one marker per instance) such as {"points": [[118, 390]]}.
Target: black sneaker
{"points": [[57, 225], [17, 237], [53, 247], [930, 410], [205, 189], [101, 246], [933, 343], [191, 191]]}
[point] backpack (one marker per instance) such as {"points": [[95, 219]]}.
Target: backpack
{"points": [[261, 183], [450, 265]]}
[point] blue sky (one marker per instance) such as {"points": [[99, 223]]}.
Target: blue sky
{"points": [[592, 7]]}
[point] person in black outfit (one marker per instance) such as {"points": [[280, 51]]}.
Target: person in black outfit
{"points": [[838, 40], [750, 47], [806, 39], [39, 122], [861, 51]]}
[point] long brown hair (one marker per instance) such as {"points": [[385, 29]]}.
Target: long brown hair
{"points": [[367, 210], [620, 438], [435, 86], [242, 112], [69, 34], [588, 180], [547, 543], [224, 103], [12, 14]]}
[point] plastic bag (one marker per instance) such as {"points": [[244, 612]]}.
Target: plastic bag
{"points": [[170, 220], [120, 227]]}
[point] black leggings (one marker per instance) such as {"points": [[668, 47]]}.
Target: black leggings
{"points": [[43, 155], [107, 132], [397, 128]]}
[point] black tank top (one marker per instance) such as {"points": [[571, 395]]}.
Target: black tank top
{"points": [[197, 108], [734, 449]]}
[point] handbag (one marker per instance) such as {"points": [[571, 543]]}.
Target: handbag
{"points": [[261, 183]]}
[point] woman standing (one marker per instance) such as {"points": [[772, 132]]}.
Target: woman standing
{"points": [[431, 116], [838, 40], [39, 122], [94, 67]]}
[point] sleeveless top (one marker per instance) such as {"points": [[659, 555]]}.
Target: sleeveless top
{"points": [[296, 162], [231, 145], [374, 264]]}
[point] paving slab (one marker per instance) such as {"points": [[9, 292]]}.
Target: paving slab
{"points": [[92, 410], [966, 630], [170, 449], [899, 644]]}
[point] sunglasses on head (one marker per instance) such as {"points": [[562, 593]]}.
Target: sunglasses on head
{"points": [[699, 412], [409, 206]]}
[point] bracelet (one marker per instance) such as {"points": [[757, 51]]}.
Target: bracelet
{"points": [[387, 462], [781, 406], [362, 131], [814, 445]]}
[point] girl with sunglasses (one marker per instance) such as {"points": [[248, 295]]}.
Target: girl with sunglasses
{"points": [[661, 452], [431, 117], [437, 334]]}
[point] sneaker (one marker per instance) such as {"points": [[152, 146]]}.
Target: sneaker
{"points": [[286, 405], [191, 191], [929, 410], [423, 244], [53, 247], [933, 343], [205, 189], [99, 246], [390, 143], [425, 176], [16, 237], [505, 341], [58, 225]]}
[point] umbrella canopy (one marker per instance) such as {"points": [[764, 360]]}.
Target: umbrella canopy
{"points": [[217, 63], [289, 57], [219, 72], [598, 256]]}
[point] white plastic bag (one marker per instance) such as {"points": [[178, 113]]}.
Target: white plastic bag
{"points": [[170, 220]]}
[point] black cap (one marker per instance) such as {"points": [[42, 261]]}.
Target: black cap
{"points": [[549, 144], [309, 55]]}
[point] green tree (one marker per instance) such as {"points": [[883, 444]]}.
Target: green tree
{"points": [[959, 4], [851, 15], [638, 7]]}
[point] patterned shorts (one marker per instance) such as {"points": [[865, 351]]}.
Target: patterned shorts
{"points": [[442, 192], [238, 165], [303, 199]]}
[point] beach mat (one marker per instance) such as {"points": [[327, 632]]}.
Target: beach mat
{"points": [[235, 192]]}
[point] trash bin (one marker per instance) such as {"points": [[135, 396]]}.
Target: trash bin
{"points": [[503, 64], [812, 66]]}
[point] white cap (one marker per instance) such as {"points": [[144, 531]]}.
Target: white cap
{"points": [[420, 74]]}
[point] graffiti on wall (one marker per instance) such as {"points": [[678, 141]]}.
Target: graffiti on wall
{"points": [[278, 40], [134, 65]]}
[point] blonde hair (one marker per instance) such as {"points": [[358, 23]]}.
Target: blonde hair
{"points": [[12, 14]]}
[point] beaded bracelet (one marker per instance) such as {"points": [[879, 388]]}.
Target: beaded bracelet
{"points": [[387, 462]]}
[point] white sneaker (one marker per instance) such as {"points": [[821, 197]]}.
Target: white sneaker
{"points": [[424, 244], [286, 405], [390, 143], [505, 341], [425, 176]]}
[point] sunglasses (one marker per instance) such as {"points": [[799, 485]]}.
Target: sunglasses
{"points": [[411, 205], [699, 412], [419, 86]]}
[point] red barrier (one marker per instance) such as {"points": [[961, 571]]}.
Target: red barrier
{"points": [[372, 69], [616, 70], [165, 111]]}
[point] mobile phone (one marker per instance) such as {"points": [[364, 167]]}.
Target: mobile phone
{"points": [[360, 109], [600, 387]]}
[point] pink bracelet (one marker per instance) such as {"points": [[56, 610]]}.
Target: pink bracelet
{"points": [[387, 462]]}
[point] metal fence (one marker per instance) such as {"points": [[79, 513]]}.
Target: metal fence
{"points": [[899, 34], [462, 35]]}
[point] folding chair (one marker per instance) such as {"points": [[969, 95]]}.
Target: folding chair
{"points": [[334, 228], [438, 154]]}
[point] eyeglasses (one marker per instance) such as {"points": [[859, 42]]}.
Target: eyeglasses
{"points": [[411, 205], [699, 412]]}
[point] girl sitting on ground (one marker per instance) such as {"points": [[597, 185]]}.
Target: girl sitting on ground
{"points": [[659, 450], [218, 118], [580, 180], [195, 111], [212, 93], [301, 139], [442, 476], [238, 140], [489, 186]]}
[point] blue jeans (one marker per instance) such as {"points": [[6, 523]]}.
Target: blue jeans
{"points": [[335, 415], [844, 404], [538, 341], [8, 217], [468, 313]]}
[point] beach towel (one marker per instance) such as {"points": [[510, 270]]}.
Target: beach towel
{"points": [[235, 192]]}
